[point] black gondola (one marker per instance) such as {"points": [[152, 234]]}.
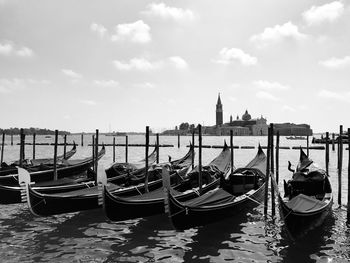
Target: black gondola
{"points": [[67, 169], [34, 165], [241, 190], [85, 199], [119, 208], [307, 199]]}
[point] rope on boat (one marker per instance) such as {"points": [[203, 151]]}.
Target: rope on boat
{"points": [[252, 199], [196, 191], [137, 190], [42, 201], [183, 210], [16, 177]]}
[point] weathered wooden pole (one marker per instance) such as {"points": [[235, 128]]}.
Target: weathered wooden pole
{"points": [[55, 177], [21, 149], [178, 140], [307, 146], [192, 159], [340, 162], [11, 139], [34, 135], [146, 158], [64, 146], [157, 141], [113, 149], [126, 148], [327, 152], [273, 205], [96, 151], [2, 148], [200, 159], [333, 147], [348, 210], [82, 139], [277, 156], [93, 152], [231, 146], [267, 172]]}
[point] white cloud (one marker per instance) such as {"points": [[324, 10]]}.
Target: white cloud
{"points": [[25, 52], [263, 84], [107, 83], [288, 108], [70, 73], [138, 32], [6, 49], [9, 48], [336, 63], [340, 96], [319, 14], [141, 64], [276, 34], [13, 85], [99, 29], [167, 12], [227, 56], [88, 102], [145, 85], [233, 99], [179, 62], [267, 96]]}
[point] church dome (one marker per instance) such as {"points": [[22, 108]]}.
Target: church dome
{"points": [[246, 116]]}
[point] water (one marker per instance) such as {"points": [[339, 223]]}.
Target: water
{"points": [[89, 237]]}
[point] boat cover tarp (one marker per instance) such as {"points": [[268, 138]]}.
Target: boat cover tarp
{"points": [[214, 197], [304, 203], [259, 162]]}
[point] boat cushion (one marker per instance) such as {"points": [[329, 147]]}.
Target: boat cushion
{"points": [[304, 203], [214, 197]]}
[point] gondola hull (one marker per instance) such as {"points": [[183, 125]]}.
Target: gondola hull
{"points": [[118, 209], [183, 217], [299, 224]]}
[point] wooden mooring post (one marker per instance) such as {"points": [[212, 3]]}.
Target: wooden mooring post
{"points": [[21, 149], [192, 159], [93, 151], [126, 148], [64, 146], [113, 149], [273, 204], [307, 146], [267, 172], [340, 162], [200, 159], [34, 135], [11, 139], [333, 147], [231, 146], [146, 158], [277, 156], [2, 148], [82, 139], [55, 177], [96, 152], [327, 153], [157, 142], [178, 140], [348, 210]]}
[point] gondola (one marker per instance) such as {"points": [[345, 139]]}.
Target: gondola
{"points": [[119, 208], [307, 199], [36, 164], [121, 171], [66, 169], [88, 198], [240, 190]]}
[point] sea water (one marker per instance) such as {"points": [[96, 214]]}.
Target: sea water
{"points": [[250, 237]]}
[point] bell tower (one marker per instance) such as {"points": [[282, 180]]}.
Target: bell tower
{"points": [[219, 112]]}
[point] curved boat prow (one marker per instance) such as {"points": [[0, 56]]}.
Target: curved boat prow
{"points": [[24, 181], [304, 161]]}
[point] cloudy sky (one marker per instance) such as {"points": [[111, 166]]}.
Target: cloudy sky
{"points": [[121, 65]]}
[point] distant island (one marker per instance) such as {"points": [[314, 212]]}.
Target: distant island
{"points": [[30, 131]]}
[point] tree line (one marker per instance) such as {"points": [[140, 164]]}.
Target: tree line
{"points": [[32, 130]]}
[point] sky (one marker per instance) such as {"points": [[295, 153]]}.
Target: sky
{"points": [[121, 65]]}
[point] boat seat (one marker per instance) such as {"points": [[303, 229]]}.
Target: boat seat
{"points": [[308, 187]]}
